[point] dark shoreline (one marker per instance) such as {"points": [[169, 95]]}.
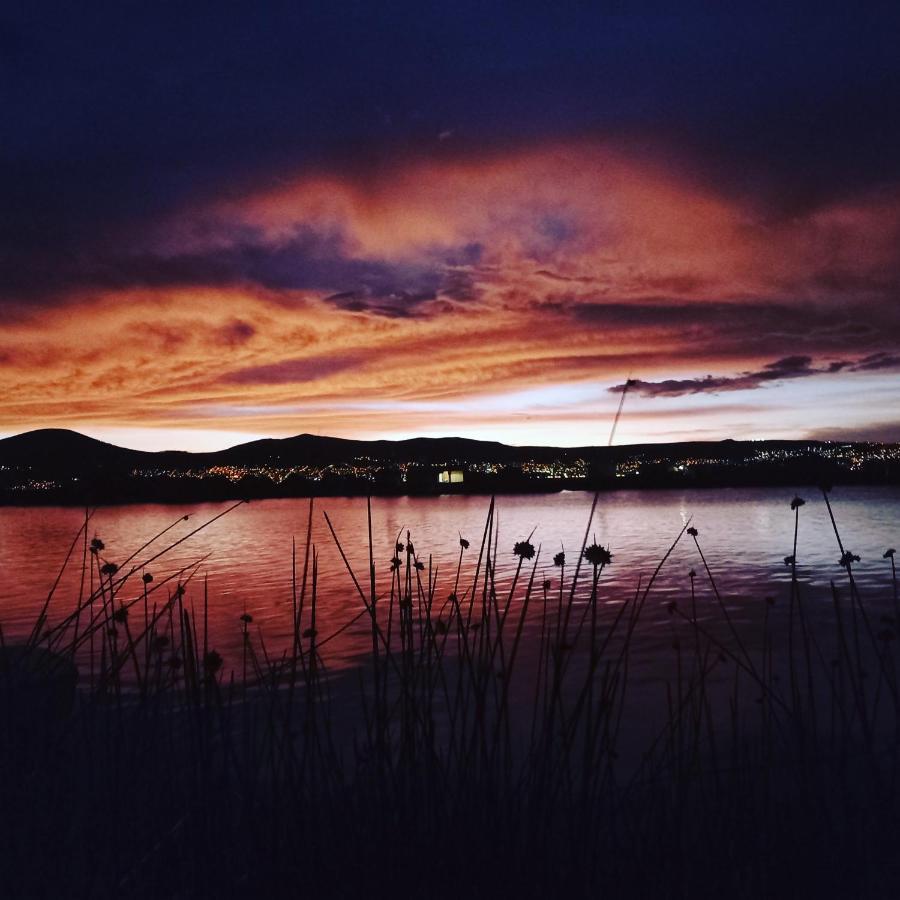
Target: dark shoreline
{"points": [[176, 495], [64, 468]]}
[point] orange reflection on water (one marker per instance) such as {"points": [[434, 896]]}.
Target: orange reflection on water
{"points": [[247, 554]]}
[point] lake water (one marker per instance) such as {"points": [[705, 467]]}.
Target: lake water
{"points": [[744, 533]]}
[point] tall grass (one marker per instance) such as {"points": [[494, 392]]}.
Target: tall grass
{"points": [[500, 738]]}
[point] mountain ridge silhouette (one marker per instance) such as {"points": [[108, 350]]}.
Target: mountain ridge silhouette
{"points": [[68, 450]]}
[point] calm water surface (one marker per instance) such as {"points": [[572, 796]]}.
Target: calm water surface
{"points": [[744, 533]]}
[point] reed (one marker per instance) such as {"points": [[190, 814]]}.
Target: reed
{"points": [[494, 742]]}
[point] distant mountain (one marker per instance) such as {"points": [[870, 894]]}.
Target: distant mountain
{"points": [[61, 466], [59, 448], [310, 448], [63, 451]]}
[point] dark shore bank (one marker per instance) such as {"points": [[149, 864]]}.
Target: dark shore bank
{"points": [[455, 759], [54, 467]]}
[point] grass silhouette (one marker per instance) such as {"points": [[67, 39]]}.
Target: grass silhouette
{"points": [[459, 757]]}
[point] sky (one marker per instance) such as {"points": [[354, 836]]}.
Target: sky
{"points": [[226, 221]]}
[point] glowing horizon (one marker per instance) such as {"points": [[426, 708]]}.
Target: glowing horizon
{"points": [[496, 278]]}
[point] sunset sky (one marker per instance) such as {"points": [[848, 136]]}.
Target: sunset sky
{"points": [[385, 220]]}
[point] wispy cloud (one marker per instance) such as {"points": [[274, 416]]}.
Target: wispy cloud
{"points": [[875, 362], [447, 281], [790, 367], [294, 371]]}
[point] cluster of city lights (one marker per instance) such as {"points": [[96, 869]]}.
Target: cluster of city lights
{"points": [[850, 456]]}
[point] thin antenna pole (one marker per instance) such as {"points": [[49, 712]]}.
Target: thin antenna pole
{"points": [[615, 423]]}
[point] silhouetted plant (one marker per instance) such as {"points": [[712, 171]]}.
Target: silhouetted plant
{"points": [[284, 772], [597, 555], [524, 549], [212, 662]]}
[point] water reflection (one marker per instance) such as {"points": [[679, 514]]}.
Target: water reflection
{"points": [[745, 535]]}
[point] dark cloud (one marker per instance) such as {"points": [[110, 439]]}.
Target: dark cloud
{"points": [[398, 304], [566, 279], [233, 334], [306, 260], [748, 327], [740, 315], [790, 367], [117, 117], [294, 371], [460, 285], [876, 361]]}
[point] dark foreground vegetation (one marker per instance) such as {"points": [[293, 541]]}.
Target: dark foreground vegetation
{"points": [[460, 759]]}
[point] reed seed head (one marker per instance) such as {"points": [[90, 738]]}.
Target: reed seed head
{"points": [[524, 550], [597, 555]]}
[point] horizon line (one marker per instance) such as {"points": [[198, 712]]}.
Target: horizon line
{"points": [[252, 439]]}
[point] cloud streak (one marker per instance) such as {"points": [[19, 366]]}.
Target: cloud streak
{"points": [[785, 369], [462, 281]]}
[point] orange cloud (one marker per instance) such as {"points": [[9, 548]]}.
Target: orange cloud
{"points": [[421, 297]]}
